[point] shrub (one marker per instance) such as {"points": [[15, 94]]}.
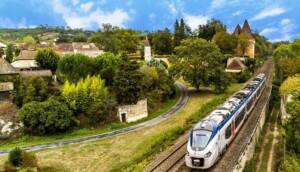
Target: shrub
{"points": [[9, 167], [15, 157], [50, 116]]}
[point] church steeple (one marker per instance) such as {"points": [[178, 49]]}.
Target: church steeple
{"points": [[147, 44]]}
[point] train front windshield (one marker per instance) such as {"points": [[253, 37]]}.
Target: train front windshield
{"points": [[200, 139]]}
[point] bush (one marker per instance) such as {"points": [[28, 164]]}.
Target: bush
{"points": [[50, 116], [244, 76], [9, 167], [15, 157]]}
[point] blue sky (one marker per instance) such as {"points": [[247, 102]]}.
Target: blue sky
{"points": [[275, 19]]}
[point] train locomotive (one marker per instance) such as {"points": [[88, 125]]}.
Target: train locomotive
{"points": [[210, 137]]}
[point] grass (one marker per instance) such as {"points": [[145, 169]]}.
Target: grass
{"points": [[27, 140], [130, 150]]}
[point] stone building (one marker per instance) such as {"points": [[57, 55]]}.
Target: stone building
{"points": [[147, 50], [131, 113], [250, 51]]}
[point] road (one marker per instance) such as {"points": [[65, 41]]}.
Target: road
{"points": [[179, 105]]}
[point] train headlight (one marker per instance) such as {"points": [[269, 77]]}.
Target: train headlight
{"points": [[208, 154]]}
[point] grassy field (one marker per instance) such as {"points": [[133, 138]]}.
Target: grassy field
{"points": [[107, 154]]}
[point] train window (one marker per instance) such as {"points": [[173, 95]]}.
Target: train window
{"points": [[228, 132], [239, 118], [200, 138], [250, 103]]}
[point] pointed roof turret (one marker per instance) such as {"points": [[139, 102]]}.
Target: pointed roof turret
{"points": [[237, 30], [147, 44], [246, 28]]}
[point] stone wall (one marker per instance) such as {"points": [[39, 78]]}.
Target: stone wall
{"points": [[130, 113], [249, 147]]}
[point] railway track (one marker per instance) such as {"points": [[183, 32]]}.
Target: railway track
{"points": [[174, 159]]}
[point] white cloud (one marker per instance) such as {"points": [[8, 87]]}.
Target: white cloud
{"points": [[86, 7], [237, 13], [75, 2], [286, 26], [267, 31], [172, 9], [89, 19], [152, 16], [268, 12], [195, 21], [215, 4]]}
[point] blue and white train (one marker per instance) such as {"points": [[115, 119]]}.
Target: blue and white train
{"points": [[210, 137]]}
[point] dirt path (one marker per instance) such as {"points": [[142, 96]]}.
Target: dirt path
{"points": [[275, 140]]}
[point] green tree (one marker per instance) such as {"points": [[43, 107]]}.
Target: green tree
{"points": [[177, 38], [128, 40], [181, 32], [46, 117], [208, 30], [128, 81], [75, 67], [162, 42], [9, 53], [106, 65], [34, 89], [295, 46], [1, 52], [200, 63], [105, 39], [226, 42], [15, 157], [47, 59], [17, 51], [81, 37]]}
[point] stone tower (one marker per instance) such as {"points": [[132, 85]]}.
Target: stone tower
{"points": [[147, 50], [246, 30]]}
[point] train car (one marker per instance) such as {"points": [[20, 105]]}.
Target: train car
{"points": [[210, 137]]}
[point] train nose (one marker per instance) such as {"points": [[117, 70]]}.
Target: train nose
{"points": [[198, 162]]}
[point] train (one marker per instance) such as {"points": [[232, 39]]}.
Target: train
{"points": [[210, 137]]}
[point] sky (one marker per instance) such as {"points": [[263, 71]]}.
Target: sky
{"points": [[277, 20]]}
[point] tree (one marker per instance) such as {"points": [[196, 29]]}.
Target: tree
{"points": [[181, 31], [291, 86], [47, 59], [17, 51], [1, 52], [15, 157], [295, 46], [200, 63], [34, 89], [226, 42], [9, 53], [75, 67], [162, 42], [128, 41], [46, 117], [177, 38], [208, 30], [128, 81], [106, 65], [243, 40], [105, 38]]}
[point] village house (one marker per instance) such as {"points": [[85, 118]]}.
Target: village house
{"points": [[64, 48], [26, 61], [7, 72], [88, 49]]}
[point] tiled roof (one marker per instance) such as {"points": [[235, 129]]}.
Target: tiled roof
{"points": [[246, 28], [6, 86], [83, 46], [43, 46], [24, 46], [37, 73], [6, 68], [147, 44], [63, 47], [235, 65], [27, 55], [24, 64], [237, 30]]}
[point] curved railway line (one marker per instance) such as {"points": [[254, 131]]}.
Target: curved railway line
{"points": [[173, 160], [179, 105]]}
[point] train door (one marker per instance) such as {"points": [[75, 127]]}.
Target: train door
{"points": [[219, 142]]}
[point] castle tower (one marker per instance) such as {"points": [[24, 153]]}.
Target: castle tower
{"points": [[246, 30], [147, 50]]}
